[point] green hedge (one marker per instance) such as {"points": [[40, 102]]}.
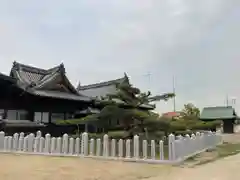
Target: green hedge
{"points": [[183, 133], [182, 125], [111, 134]]}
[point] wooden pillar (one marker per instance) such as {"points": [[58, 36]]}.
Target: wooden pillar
{"points": [[86, 127], [50, 117]]}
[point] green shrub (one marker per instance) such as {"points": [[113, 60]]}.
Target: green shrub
{"points": [[178, 126], [116, 134], [199, 126], [183, 133], [111, 134], [158, 135], [115, 128]]}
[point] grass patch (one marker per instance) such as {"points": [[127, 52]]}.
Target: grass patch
{"points": [[221, 151], [228, 149]]}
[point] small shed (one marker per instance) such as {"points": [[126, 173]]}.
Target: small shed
{"points": [[227, 114]]}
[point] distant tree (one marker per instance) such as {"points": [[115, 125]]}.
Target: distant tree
{"points": [[190, 112]]}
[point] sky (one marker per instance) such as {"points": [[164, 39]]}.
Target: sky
{"points": [[197, 42]]}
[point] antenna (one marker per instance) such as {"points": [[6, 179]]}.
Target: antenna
{"points": [[148, 75], [227, 100], [174, 91]]}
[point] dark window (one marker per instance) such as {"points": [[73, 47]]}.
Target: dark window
{"points": [[118, 122]]}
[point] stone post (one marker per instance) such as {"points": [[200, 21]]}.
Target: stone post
{"points": [[25, 143], [71, 146], [65, 144], [47, 143], [2, 135], [92, 147], [30, 142], [128, 148], [171, 147], [53, 145], [161, 149], [99, 144], [77, 146], [113, 148], [145, 149], [5, 144], [10, 143], [120, 148], [39, 134], [82, 144], [36, 144], [20, 142], [136, 147], [41, 145], [15, 141], [85, 144], [105, 146], [59, 145], [153, 150]]}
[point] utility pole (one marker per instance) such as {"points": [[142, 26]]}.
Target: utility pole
{"points": [[227, 100], [174, 91]]}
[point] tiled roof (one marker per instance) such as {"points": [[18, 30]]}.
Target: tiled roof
{"points": [[171, 114], [31, 75], [101, 84], [60, 95], [216, 113], [101, 89], [48, 83]]}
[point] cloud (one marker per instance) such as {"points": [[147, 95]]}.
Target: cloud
{"points": [[197, 41]]}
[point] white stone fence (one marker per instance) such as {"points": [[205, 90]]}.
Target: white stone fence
{"points": [[177, 149]]}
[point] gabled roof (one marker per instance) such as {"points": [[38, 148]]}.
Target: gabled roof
{"points": [[218, 113], [101, 89], [45, 82]]}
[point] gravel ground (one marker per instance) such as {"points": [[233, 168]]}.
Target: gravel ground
{"points": [[224, 169], [30, 167], [27, 167]]}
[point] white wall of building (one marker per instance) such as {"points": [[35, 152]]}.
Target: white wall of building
{"points": [[41, 117], [17, 115]]}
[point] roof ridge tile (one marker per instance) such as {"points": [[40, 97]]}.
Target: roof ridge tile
{"points": [[100, 84]]}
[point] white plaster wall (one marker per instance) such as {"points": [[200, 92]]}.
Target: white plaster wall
{"points": [[37, 116], [12, 114], [45, 117]]}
